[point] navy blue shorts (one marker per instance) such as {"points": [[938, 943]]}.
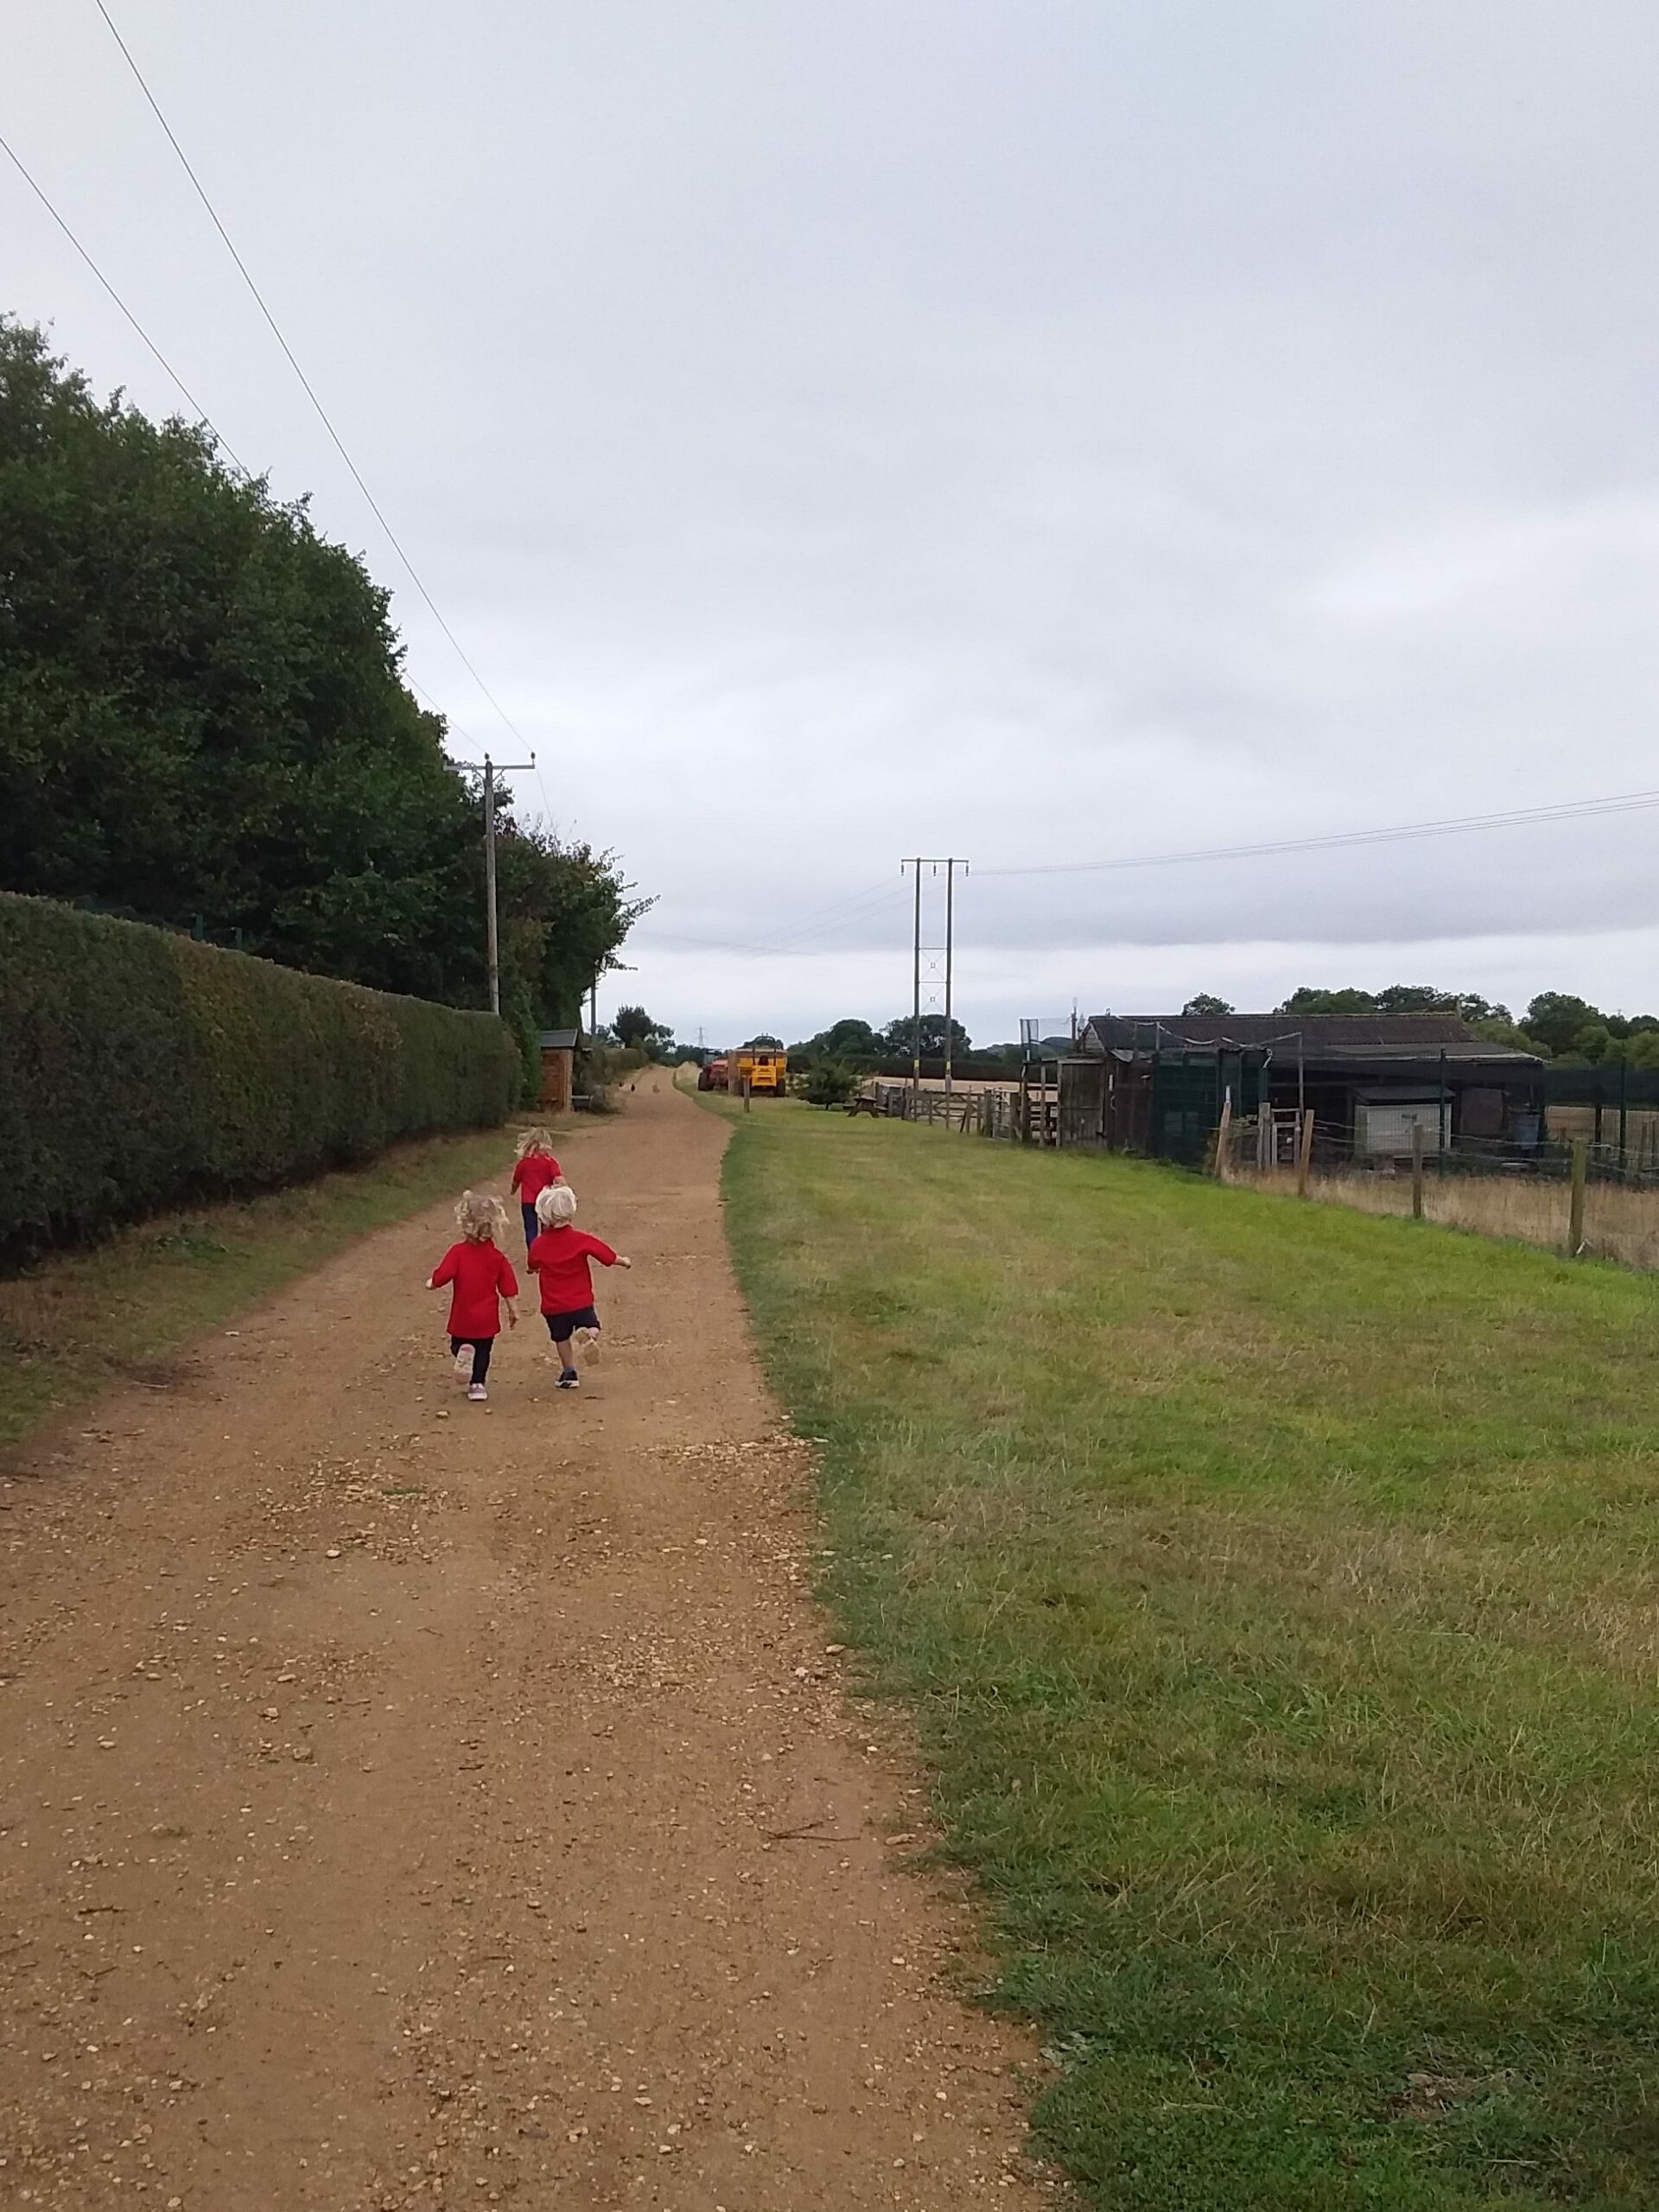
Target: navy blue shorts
{"points": [[559, 1326]]}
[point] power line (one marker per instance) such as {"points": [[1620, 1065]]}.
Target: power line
{"points": [[1566, 810], [547, 800], [815, 921], [856, 905], [293, 362], [820, 922], [191, 400], [451, 727]]}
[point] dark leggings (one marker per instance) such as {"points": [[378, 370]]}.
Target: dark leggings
{"points": [[533, 1227], [482, 1347]]}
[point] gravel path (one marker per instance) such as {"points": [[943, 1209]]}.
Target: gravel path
{"points": [[404, 1802]]}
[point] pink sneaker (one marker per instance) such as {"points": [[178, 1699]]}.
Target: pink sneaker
{"points": [[476, 1393]]}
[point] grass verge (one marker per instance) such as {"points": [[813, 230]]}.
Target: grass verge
{"points": [[1274, 1588], [78, 1321]]}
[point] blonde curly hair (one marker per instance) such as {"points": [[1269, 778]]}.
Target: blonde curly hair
{"points": [[556, 1205], [535, 1139], [479, 1217]]}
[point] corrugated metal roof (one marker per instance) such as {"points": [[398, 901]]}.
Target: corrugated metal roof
{"points": [[1348, 1037], [1314, 1029]]}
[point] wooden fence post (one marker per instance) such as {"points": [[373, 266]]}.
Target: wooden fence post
{"points": [[1575, 1219], [1305, 1154], [1223, 1135], [1416, 1171]]}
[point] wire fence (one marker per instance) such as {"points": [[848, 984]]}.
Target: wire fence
{"points": [[1259, 1142], [1567, 1193]]}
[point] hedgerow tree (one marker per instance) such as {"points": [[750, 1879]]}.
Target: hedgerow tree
{"points": [[203, 721], [635, 1029], [568, 910], [896, 1037]]}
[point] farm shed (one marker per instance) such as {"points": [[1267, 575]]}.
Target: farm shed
{"points": [[1369, 1079], [558, 1068]]}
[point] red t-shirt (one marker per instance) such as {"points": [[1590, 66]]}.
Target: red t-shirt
{"points": [[482, 1274], [560, 1257], [532, 1174]]}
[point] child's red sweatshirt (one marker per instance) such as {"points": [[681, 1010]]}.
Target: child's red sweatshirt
{"points": [[560, 1257], [532, 1174], [482, 1274]]}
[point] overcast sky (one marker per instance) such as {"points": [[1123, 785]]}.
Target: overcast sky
{"points": [[1040, 433]]}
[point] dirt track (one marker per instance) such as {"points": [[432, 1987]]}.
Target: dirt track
{"points": [[408, 1801]]}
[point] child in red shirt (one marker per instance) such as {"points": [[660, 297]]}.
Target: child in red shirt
{"points": [[483, 1276], [560, 1256], [534, 1171]]}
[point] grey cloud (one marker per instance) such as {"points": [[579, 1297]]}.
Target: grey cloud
{"points": [[1036, 433]]}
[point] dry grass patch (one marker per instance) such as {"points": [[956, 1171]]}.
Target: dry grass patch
{"points": [[1620, 1224]]}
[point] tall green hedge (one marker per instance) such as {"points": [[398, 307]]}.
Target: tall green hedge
{"points": [[137, 1068]]}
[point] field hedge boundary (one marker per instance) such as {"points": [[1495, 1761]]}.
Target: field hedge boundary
{"points": [[138, 1068]]}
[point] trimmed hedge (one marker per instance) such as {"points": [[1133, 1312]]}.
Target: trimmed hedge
{"points": [[138, 1068]]}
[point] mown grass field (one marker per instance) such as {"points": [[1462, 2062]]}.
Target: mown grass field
{"points": [[77, 1321], [1274, 1585]]}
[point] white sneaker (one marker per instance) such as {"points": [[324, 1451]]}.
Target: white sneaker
{"points": [[586, 1341], [464, 1362], [476, 1393]]}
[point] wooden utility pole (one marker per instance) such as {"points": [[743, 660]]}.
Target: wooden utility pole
{"points": [[916, 1001], [1305, 1154], [949, 920], [492, 769], [1575, 1216], [931, 954]]}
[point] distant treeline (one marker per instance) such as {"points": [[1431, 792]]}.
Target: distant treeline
{"points": [[856, 1043], [1566, 1030], [1559, 1026]]}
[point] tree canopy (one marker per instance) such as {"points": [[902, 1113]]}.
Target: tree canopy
{"points": [[204, 722], [851, 1041], [898, 1038], [635, 1029], [1557, 1024]]}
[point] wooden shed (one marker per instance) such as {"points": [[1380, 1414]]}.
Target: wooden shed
{"points": [[558, 1069], [1369, 1080]]}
